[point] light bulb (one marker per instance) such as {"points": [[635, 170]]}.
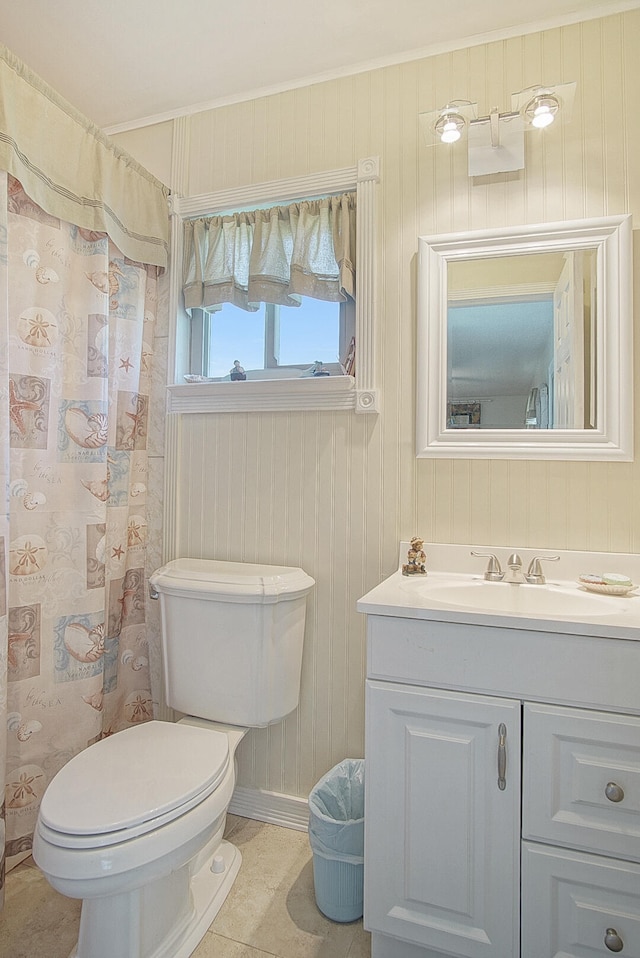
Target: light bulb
{"points": [[541, 110], [542, 117], [449, 126], [450, 132]]}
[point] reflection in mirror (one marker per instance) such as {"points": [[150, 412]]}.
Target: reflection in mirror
{"points": [[521, 343], [525, 342]]}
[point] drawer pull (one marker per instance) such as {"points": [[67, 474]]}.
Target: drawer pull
{"points": [[612, 940], [614, 792], [502, 756]]}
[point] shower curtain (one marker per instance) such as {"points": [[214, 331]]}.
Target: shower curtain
{"points": [[76, 340]]}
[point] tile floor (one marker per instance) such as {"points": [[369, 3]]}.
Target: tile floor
{"points": [[270, 911]]}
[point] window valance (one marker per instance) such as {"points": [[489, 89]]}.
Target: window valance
{"points": [[272, 255], [70, 168]]}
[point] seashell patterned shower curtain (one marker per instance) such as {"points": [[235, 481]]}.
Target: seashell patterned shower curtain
{"points": [[76, 339]]}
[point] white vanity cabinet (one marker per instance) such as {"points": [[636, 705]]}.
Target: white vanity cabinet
{"points": [[502, 814]]}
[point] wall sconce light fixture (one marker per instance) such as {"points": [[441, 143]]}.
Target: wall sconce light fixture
{"points": [[496, 142]]}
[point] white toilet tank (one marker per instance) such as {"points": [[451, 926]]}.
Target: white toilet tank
{"points": [[232, 637]]}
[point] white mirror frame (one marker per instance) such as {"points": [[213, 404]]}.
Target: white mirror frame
{"points": [[613, 437]]}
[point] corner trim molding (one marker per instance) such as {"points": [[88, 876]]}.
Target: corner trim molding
{"points": [[171, 485], [367, 400]]}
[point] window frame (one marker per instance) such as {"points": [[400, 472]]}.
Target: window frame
{"points": [[358, 392]]}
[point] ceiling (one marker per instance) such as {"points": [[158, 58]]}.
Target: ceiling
{"points": [[125, 62], [498, 349]]}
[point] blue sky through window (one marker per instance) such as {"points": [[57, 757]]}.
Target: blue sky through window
{"points": [[307, 332], [235, 334]]}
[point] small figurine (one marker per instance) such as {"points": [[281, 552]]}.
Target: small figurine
{"points": [[416, 559], [237, 373]]}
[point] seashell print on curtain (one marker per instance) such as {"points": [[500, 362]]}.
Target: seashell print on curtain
{"points": [[76, 340]]}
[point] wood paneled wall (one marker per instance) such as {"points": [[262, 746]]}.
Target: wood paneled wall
{"points": [[335, 492]]}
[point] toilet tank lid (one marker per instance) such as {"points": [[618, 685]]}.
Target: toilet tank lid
{"points": [[239, 580]]}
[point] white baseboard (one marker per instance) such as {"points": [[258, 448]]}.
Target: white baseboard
{"points": [[272, 807]]}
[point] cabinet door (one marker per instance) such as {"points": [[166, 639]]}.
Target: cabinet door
{"points": [[442, 845], [578, 906]]}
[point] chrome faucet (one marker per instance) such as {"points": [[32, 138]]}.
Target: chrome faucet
{"points": [[514, 574]]}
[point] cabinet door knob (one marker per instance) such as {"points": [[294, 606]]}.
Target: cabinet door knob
{"points": [[612, 940], [614, 792]]}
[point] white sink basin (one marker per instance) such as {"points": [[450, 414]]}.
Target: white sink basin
{"points": [[523, 599], [464, 597]]}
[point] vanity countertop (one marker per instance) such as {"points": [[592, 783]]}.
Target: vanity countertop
{"points": [[462, 596]]}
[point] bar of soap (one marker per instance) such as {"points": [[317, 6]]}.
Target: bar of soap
{"points": [[616, 578], [592, 578]]}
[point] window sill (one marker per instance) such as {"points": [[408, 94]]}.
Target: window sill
{"points": [[280, 395]]}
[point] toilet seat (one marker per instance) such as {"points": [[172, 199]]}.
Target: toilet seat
{"points": [[131, 783]]}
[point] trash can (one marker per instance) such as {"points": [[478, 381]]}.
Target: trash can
{"points": [[336, 835]]}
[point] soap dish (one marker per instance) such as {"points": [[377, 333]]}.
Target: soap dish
{"points": [[605, 589]]}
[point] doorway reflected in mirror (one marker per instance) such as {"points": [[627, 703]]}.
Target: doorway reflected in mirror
{"points": [[516, 324]]}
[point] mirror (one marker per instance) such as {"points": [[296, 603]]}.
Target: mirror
{"points": [[525, 342]]}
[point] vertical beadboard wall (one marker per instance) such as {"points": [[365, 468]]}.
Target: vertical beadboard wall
{"points": [[335, 492], [301, 489]]}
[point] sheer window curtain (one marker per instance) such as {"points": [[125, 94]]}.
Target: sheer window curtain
{"points": [[275, 255]]}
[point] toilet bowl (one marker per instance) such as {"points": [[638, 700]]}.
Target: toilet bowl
{"points": [[137, 862], [133, 825]]}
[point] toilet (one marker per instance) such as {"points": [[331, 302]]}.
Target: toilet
{"points": [[133, 824]]}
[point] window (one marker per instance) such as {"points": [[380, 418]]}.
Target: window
{"points": [[265, 336], [276, 342]]}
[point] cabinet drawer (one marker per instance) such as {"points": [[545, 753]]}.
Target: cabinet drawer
{"points": [[581, 780], [578, 905]]}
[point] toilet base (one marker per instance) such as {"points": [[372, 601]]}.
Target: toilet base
{"points": [[120, 923]]}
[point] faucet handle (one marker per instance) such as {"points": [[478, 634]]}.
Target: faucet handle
{"points": [[493, 573], [535, 575]]}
